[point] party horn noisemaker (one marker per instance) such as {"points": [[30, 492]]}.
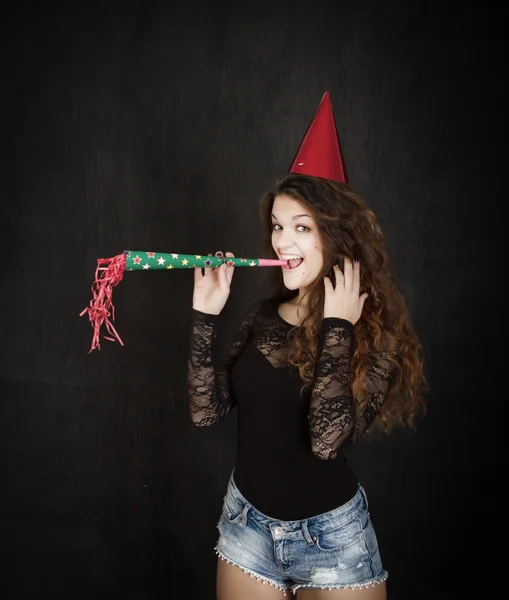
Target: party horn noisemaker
{"points": [[110, 271]]}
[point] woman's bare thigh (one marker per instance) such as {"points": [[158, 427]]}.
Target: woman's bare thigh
{"points": [[235, 584], [377, 592]]}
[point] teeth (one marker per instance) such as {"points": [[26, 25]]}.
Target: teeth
{"points": [[289, 256]]}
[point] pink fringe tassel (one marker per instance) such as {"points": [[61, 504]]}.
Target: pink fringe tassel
{"points": [[106, 278]]}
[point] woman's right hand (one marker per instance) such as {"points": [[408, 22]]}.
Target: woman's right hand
{"points": [[212, 289]]}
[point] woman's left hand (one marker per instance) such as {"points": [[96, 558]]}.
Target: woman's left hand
{"points": [[344, 301]]}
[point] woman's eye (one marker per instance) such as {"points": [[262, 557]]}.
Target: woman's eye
{"points": [[301, 228]]}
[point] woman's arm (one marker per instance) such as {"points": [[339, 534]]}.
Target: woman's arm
{"points": [[335, 418], [210, 398]]}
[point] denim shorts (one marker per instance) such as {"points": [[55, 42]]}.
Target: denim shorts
{"points": [[337, 549]]}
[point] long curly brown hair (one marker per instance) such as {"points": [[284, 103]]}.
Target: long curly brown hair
{"points": [[349, 229]]}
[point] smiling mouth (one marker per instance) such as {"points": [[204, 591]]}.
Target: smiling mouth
{"points": [[293, 263]]}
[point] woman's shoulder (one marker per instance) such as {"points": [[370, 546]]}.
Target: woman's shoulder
{"points": [[266, 308]]}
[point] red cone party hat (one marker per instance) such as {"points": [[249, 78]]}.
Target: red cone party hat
{"points": [[319, 154]]}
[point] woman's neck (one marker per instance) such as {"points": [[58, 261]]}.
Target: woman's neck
{"points": [[300, 300], [299, 305]]}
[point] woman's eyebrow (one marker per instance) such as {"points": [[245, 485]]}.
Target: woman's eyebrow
{"points": [[294, 217]]}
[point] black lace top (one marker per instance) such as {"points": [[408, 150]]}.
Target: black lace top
{"points": [[286, 439]]}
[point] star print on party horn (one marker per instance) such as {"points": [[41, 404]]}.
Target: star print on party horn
{"points": [[137, 261], [110, 271]]}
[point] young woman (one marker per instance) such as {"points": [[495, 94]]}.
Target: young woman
{"points": [[330, 356]]}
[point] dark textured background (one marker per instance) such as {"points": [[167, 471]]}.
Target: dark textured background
{"points": [[158, 126]]}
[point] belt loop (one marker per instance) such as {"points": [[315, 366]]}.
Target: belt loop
{"points": [[305, 533], [364, 496], [244, 514]]}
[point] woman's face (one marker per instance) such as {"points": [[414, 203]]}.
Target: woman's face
{"points": [[295, 234]]}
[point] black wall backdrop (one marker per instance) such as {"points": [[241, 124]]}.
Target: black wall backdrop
{"points": [[158, 126]]}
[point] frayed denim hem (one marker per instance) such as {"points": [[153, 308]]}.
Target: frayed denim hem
{"points": [[355, 586]]}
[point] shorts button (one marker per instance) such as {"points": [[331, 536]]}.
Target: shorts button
{"points": [[278, 530]]}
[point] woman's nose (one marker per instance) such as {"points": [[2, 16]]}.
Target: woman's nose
{"points": [[285, 239]]}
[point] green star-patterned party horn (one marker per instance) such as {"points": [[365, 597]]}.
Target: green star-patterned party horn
{"points": [[110, 271], [137, 261]]}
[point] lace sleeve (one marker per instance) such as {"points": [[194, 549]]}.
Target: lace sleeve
{"points": [[335, 420], [209, 393]]}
